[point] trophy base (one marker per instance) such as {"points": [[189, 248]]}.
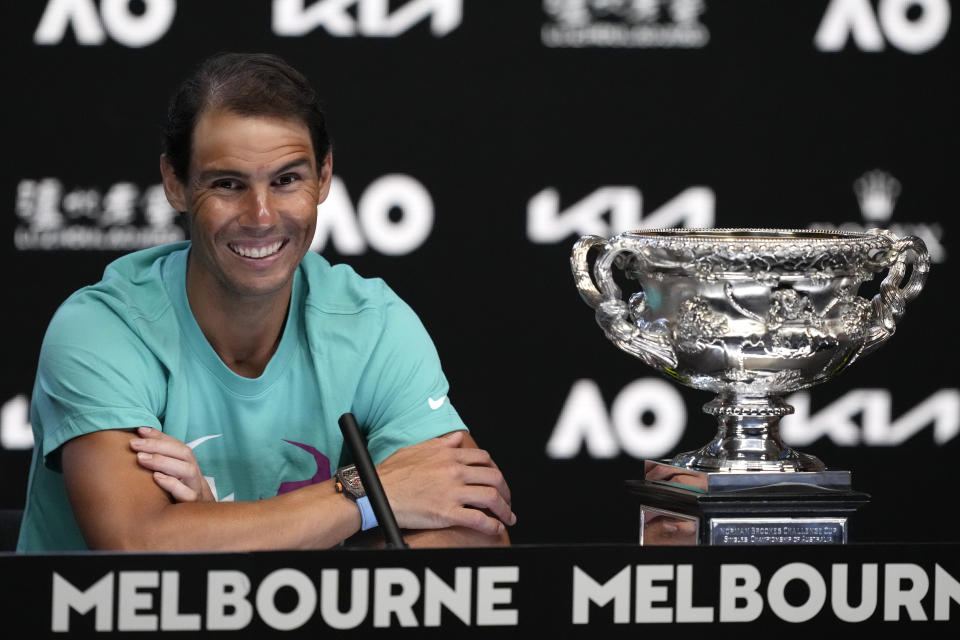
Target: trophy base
{"points": [[713, 457], [680, 506]]}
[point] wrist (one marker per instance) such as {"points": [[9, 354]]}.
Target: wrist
{"points": [[347, 482], [368, 520]]}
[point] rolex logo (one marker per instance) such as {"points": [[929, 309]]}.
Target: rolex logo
{"points": [[877, 193]]}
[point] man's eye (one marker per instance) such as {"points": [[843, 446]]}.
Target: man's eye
{"points": [[226, 184], [287, 179]]}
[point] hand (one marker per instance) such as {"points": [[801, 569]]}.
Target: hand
{"points": [[669, 531], [677, 475], [436, 485], [175, 469]]}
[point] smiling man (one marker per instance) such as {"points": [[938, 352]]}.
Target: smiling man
{"points": [[190, 399]]}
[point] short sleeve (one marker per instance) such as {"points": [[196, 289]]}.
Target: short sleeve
{"points": [[402, 398], [94, 373]]}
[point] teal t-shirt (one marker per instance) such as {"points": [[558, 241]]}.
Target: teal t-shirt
{"points": [[127, 352]]}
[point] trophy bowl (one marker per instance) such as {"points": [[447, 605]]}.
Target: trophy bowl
{"points": [[750, 315]]}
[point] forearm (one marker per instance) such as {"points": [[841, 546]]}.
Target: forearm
{"points": [[118, 506], [433, 538], [457, 492], [454, 537], [314, 517]]}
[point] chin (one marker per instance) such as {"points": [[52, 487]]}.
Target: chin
{"points": [[261, 286], [266, 286]]}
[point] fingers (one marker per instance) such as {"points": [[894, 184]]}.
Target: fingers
{"points": [[481, 469], [447, 482], [478, 457], [489, 498], [179, 491], [465, 466], [165, 464], [471, 475], [479, 521], [439, 498], [179, 471], [154, 441]]}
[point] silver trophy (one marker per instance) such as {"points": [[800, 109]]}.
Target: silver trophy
{"points": [[750, 315]]}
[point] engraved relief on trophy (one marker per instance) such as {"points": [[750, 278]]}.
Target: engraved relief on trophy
{"points": [[698, 326]]}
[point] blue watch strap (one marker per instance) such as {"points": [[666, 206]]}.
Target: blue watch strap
{"points": [[368, 520]]}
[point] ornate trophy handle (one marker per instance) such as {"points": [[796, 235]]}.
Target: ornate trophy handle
{"points": [[581, 269], [889, 305], [648, 341]]}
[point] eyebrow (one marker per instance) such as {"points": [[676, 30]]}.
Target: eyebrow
{"points": [[213, 174]]}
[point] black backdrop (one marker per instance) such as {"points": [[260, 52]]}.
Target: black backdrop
{"points": [[474, 141]]}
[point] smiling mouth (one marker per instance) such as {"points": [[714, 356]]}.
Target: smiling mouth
{"points": [[257, 252]]}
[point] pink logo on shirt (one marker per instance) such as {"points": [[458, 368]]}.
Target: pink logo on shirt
{"points": [[322, 474]]}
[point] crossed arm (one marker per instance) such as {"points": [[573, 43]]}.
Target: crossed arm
{"points": [[444, 492]]}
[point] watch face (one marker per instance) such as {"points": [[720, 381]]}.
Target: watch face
{"points": [[351, 482]]}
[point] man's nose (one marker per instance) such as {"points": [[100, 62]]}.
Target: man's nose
{"points": [[261, 209]]}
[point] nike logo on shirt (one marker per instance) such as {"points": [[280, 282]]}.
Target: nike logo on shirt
{"points": [[436, 404]]}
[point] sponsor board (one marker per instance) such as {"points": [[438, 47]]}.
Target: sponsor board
{"points": [[115, 18], [912, 26], [612, 209], [877, 192], [143, 23], [648, 417], [382, 595], [741, 598], [15, 430], [641, 24], [571, 589], [120, 217], [370, 18], [393, 215], [864, 417], [398, 596]]}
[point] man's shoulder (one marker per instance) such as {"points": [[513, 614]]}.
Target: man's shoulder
{"points": [[131, 289], [143, 266], [339, 290]]}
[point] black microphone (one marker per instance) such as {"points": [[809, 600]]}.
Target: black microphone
{"points": [[371, 482]]}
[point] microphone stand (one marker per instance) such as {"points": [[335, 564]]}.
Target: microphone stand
{"points": [[371, 482]]}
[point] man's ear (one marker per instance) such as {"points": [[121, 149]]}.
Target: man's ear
{"points": [[326, 176], [172, 187]]}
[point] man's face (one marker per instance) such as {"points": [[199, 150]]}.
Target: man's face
{"points": [[251, 196]]}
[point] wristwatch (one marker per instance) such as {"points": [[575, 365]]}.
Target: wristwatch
{"points": [[347, 482]]}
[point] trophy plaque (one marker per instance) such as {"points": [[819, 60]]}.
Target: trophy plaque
{"points": [[751, 315]]}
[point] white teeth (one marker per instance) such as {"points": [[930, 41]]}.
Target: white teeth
{"points": [[254, 252]]}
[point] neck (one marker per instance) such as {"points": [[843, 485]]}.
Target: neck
{"points": [[243, 330]]}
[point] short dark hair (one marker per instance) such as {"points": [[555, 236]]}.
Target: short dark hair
{"points": [[248, 84]]}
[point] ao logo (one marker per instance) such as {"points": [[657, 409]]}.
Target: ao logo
{"points": [[373, 17], [613, 209], [646, 420], [913, 26], [15, 430], [125, 26], [394, 216]]}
